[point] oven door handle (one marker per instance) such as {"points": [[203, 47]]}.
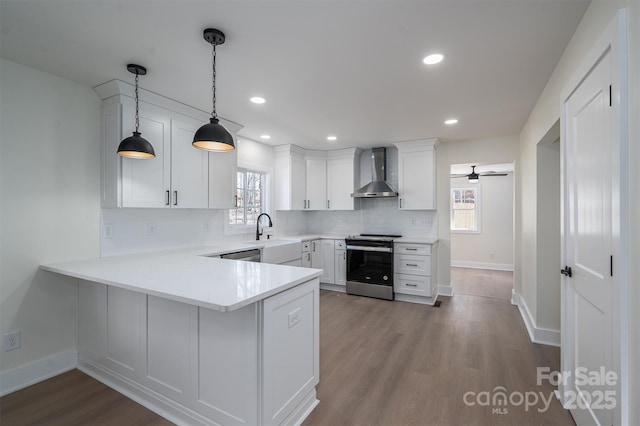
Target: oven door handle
{"points": [[365, 248]]}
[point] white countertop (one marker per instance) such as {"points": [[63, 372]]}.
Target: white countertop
{"points": [[189, 276], [416, 240]]}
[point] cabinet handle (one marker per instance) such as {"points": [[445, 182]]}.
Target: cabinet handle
{"points": [[309, 257], [235, 204], [411, 285], [400, 202], [411, 264], [175, 198], [411, 249], [344, 255], [314, 246], [168, 201], [308, 204], [328, 204]]}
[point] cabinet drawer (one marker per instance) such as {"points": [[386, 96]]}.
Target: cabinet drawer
{"points": [[406, 248], [340, 245], [410, 264], [412, 284], [306, 246]]}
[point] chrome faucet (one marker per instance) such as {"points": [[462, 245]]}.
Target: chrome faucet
{"points": [[258, 232]]}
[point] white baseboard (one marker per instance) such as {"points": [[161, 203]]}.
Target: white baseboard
{"points": [[482, 265], [37, 371], [543, 336], [445, 290]]}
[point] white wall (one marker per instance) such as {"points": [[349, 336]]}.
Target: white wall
{"points": [[492, 248], [491, 150], [545, 113], [50, 188]]}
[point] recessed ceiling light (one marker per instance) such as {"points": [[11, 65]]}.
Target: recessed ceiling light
{"points": [[258, 100], [434, 58], [451, 121], [332, 138], [265, 136]]}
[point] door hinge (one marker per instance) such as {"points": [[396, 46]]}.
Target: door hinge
{"points": [[611, 265], [610, 96]]}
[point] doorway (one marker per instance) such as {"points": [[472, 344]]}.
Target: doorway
{"points": [[481, 231]]}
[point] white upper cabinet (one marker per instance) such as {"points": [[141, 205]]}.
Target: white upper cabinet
{"points": [[189, 168], [290, 178], [315, 180], [179, 176], [316, 198], [142, 183], [223, 176], [343, 170], [417, 174]]}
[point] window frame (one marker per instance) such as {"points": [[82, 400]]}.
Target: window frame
{"points": [[478, 208], [232, 229]]}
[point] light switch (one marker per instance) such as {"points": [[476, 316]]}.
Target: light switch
{"points": [[294, 317]]}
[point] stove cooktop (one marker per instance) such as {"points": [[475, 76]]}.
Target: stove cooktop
{"points": [[373, 237]]}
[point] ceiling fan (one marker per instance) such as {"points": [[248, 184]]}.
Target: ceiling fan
{"points": [[474, 177]]}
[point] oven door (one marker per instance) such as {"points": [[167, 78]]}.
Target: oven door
{"points": [[370, 265]]}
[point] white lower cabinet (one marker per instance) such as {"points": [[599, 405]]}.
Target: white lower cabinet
{"points": [[192, 365], [414, 272], [328, 261], [340, 267]]}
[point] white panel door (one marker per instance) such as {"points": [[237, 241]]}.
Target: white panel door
{"points": [[189, 167], [588, 236], [316, 184], [145, 182], [340, 186]]}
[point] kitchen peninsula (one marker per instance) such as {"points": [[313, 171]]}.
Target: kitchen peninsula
{"points": [[199, 339]]}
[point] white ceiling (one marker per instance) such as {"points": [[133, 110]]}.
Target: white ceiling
{"points": [[352, 68]]}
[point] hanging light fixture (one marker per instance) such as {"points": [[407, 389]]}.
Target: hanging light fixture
{"points": [[473, 177], [136, 146], [212, 136]]}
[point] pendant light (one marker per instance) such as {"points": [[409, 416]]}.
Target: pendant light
{"points": [[136, 146], [212, 136], [473, 177]]}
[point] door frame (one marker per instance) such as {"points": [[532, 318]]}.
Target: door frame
{"points": [[614, 42]]}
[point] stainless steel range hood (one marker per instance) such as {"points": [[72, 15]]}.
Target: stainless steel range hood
{"points": [[378, 187]]}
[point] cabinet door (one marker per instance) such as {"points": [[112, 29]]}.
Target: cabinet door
{"points": [[340, 267], [189, 167], [416, 180], [340, 181], [316, 184], [328, 261], [306, 259], [223, 178], [145, 182], [316, 254], [298, 182]]}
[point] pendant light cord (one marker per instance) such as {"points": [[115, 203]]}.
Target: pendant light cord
{"points": [[137, 115], [213, 85]]}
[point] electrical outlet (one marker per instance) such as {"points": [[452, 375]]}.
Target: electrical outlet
{"points": [[12, 340], [107, 231], [413, 221], [151, 228], [294, 317]]}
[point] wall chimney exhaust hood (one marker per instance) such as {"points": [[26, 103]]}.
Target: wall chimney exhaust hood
{"points": [[378, 187]]}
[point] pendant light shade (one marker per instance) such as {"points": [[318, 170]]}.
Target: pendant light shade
{"points": [[212, 136], [136, 146]]}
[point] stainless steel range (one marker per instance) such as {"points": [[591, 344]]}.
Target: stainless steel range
{"points": [[370, 265]]}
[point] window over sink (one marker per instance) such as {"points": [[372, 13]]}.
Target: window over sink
{"points": [[251, 200]]}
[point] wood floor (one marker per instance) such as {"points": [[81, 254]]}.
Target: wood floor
{"points": [[482, 282], [381, 363]]}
